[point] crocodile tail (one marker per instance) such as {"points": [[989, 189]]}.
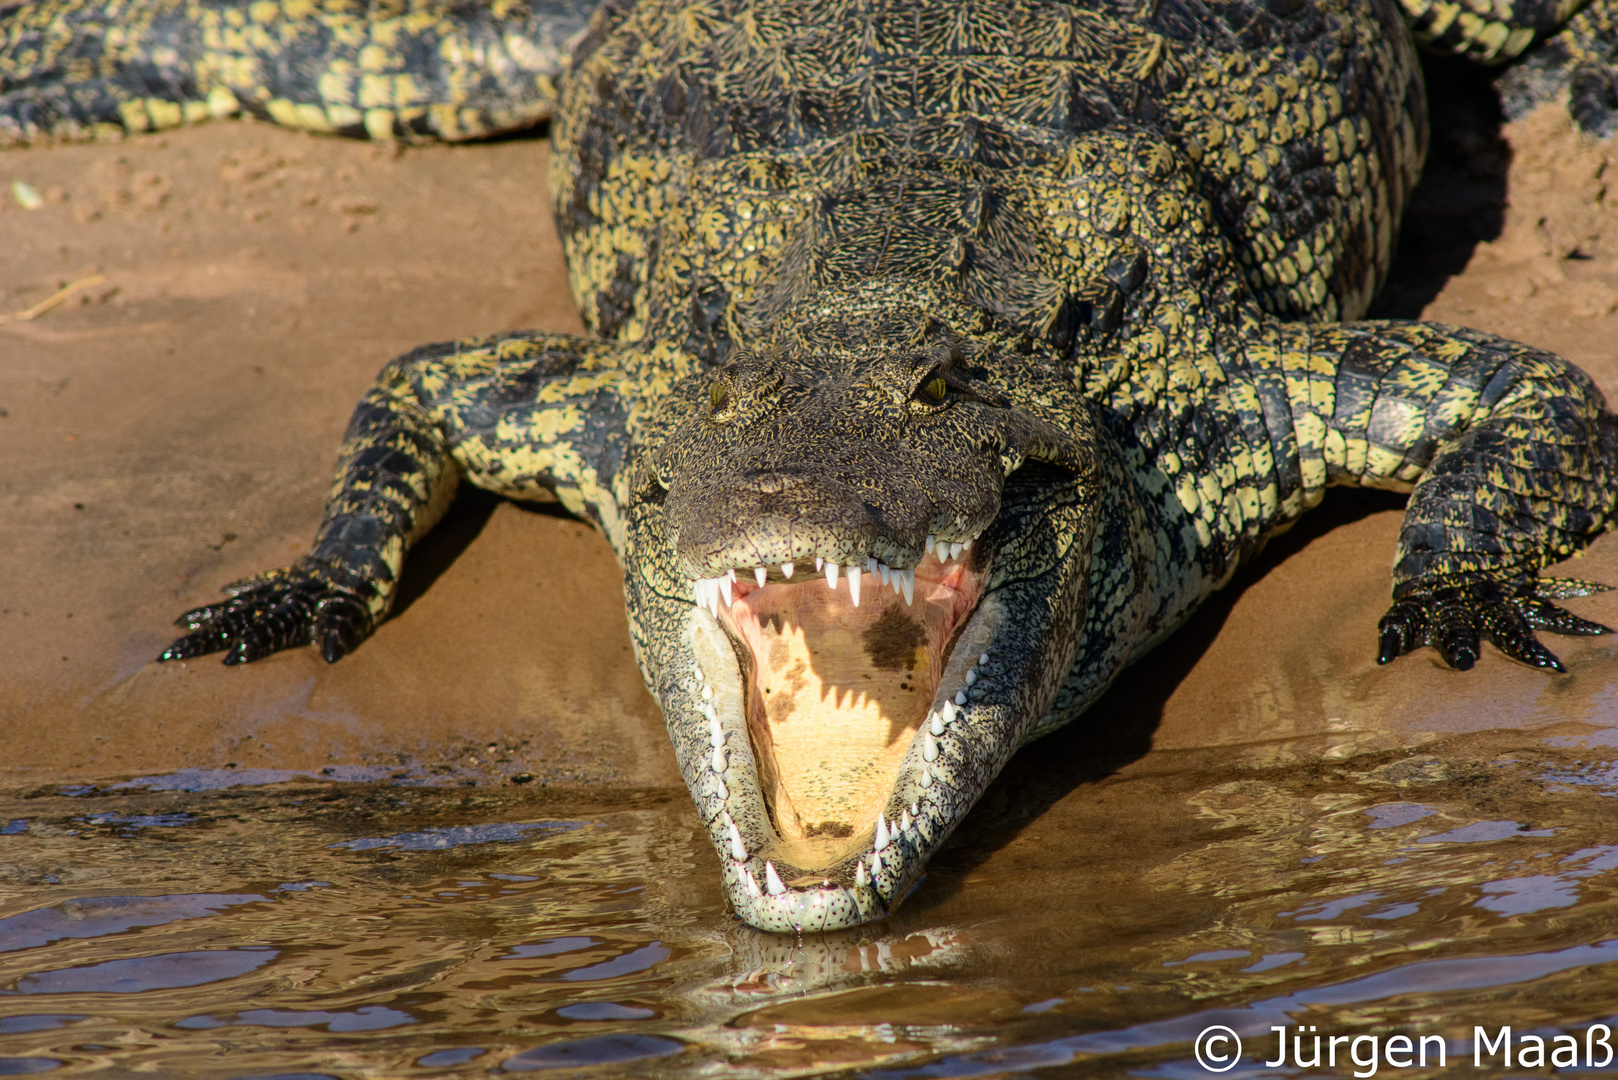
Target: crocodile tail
{"points": [[391, 69], [1487, 33]]}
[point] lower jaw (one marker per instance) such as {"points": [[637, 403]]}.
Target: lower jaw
{"points": [[835, 698], [869, 882]]}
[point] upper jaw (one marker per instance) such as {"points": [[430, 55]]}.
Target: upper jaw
{"points": [[858, 574]]}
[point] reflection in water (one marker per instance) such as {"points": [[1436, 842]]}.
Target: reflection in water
{"points": [[141, 973], [593, 1050], [367, 1018], [98, 915], [435, 839], [347, 929]]}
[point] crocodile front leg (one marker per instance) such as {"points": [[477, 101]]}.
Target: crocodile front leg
{"points": [[1509, 452], [520, 414]]}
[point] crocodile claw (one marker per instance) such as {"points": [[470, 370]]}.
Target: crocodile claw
{"points": [[275, 611], [1454, 620]]}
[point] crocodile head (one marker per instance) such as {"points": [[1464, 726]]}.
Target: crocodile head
{"points": [[880, 557]]}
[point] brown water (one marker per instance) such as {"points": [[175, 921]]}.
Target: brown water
{"points": [[1083, 923]]}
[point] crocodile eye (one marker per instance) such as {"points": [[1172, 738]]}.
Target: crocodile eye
{"points": [[718, 396], [933, 390]]}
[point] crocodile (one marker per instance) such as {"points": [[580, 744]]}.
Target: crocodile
{"points": [[943, 357]]}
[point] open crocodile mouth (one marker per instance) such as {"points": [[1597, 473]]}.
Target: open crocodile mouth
{"points": [[841, 670]]}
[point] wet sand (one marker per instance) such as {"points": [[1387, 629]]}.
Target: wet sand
{"points": [[171, 429], [174, 429]]}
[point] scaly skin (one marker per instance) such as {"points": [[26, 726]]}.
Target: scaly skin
{"points": [[411, 69], [1065, 282], [1579, 59]]}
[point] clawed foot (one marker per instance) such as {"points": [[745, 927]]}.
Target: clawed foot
{"points": [[297, 605], [1453, 620]]}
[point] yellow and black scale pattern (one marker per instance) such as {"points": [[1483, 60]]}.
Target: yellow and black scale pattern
{"points": [[1173, 204], [1579, 59], [403, 69], [1154, 215]]}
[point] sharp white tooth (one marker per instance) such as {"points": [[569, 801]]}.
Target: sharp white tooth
{"points": [[904, 821], [859, 873], [955, 550], [752, 885], [937, 726], [759, 574], [876, 864], [738, 850], [724, 588], [707, 692], [854, 584], [716, 734], [942, 551], [947, 711], [929, 748], [926, 549], [831, 574], [913, 810], [885, 571], [971, 676], [786, 570], [966, 545], [881, 832], [960, 697], [926, 777], [731, 574], [819, 562], [908, 584], [772, 880], [871, 565], [718, 759], [984, 659], [722, 791]]}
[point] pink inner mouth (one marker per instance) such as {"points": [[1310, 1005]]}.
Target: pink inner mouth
{"points": [[836, 693]]}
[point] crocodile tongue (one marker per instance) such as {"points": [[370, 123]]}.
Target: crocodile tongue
{"points": [[836, 694]]}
